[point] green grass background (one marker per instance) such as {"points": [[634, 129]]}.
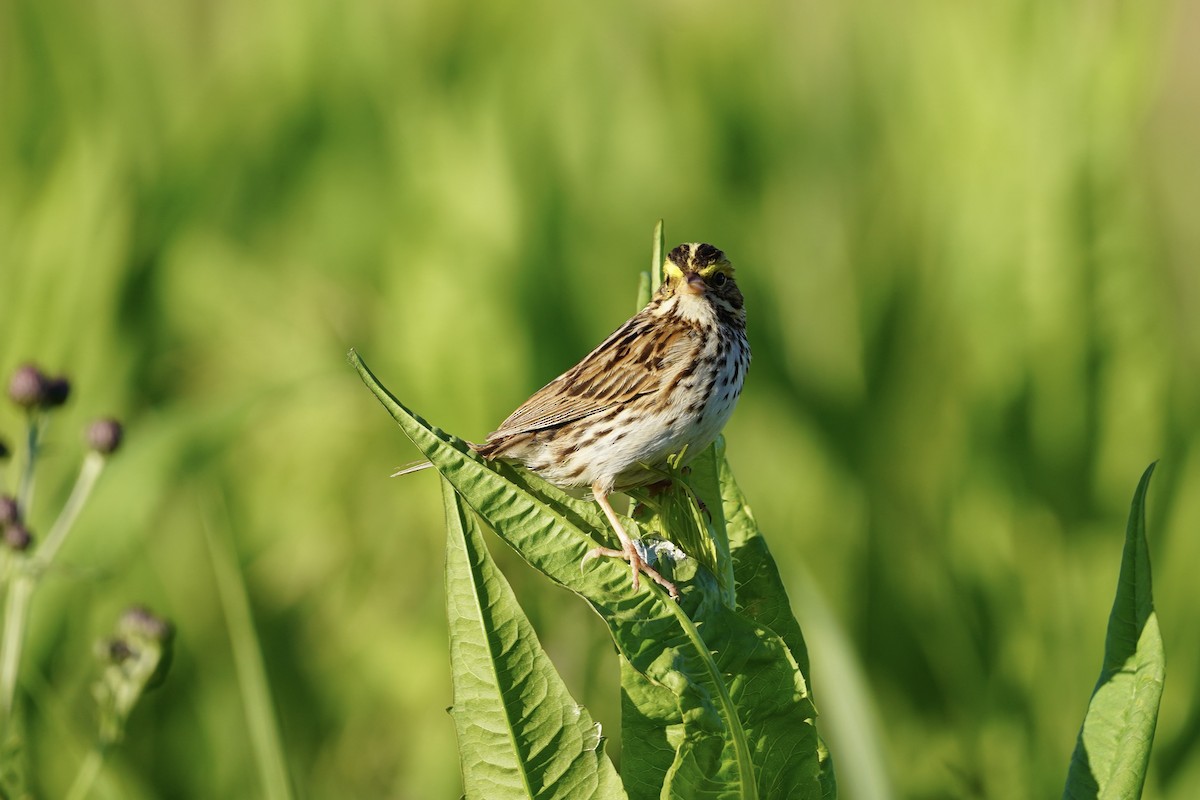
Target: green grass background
{"points": [[966, 234]]}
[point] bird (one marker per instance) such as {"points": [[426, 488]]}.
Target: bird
{"points": [[664, 383]]}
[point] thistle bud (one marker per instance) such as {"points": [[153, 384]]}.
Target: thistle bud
{"points": [[104, 436], [28, 387], [141, 622], [9, 513], [17, 537], [57, 391]]}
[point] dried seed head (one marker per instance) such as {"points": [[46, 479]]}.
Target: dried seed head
{"points": [[9, 513], [104, 436], [136, 659], [28, 387], [17, 537]]}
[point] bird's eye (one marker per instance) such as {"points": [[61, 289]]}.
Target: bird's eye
{"points": [[718, 280]]}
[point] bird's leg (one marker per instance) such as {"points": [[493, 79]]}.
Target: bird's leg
{"points": [[627, 552]]}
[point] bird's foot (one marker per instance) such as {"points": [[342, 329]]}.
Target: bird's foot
{"points": [[636, 563]]}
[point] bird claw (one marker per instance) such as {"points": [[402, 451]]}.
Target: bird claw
{"points": [[637, 564], [596, 552]]}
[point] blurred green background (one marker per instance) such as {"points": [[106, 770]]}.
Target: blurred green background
{"points": [[967, 235]]}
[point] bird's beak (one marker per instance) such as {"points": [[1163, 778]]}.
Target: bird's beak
{"points": [[694, 284]]}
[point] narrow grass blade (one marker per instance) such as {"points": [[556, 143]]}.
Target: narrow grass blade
{"points": [[261, 726], [520, 733], [852, 726], [1113, 748], [657, 254], [643, 292]]}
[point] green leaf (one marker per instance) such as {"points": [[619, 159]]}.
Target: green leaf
{"points": [[740, 725], [760, 590], [643, 292], [1114, 742], [520, 734], [648, 282], [547, 527]]}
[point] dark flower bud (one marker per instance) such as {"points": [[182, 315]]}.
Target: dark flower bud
{"points": [[9, 513], [104, 436], [27, 388], [57, 391], [17, 537]]}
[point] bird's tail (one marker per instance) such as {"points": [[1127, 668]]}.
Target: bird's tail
{"points": [[415, 466]]}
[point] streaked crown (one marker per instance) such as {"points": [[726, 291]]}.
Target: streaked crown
{"points": [[701, 270], [698, 257]]}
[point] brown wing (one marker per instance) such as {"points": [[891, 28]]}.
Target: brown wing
{"points": [[639, 358]]}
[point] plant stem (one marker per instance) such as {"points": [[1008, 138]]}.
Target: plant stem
{"points": [[27, 573], [88, 771], [16, 606], [93, 465], [33, 430], [16, 613]]}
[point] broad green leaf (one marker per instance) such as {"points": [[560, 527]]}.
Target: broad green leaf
{"points": [[648, 759], [1114, 742], [520, 734], [742, 710], [546, 526], [760, 591], [649, 722], [741, 725]]}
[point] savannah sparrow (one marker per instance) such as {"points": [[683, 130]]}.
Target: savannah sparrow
{"points": [[666, 380]]}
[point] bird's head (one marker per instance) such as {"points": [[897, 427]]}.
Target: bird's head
{"points": [[700, 269]]}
